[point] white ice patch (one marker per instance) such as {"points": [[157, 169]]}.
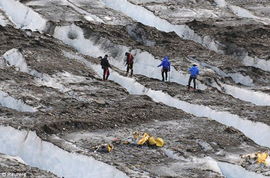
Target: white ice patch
{"points": [[52, 82], [59, 80], [244, 13], [73, 36], [257, 98], [207, 163], [12, 103], [239, 78], [256, 131], [88, 16], [15, 58], [258, 63], [3, 20], [221, 3], [234, 171], [146, 17], [148, 1], [241, 12], [183, 13], [46, 156], [23, 16], [144, 62], [38, 3]]}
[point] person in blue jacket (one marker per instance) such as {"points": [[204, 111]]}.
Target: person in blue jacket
{"points": [[194, 72], [166, 67]]}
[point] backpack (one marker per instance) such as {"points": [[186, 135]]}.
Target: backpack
{"points": [[130, 59]]}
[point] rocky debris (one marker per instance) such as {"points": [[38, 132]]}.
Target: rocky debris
{"points": [[91, 112], [258, 162], [15, 167], [185, 139], [210, 97]]}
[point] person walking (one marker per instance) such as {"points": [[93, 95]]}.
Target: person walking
{"points": [[129, 63], [166, 67], [105, 66], [194, 72]]}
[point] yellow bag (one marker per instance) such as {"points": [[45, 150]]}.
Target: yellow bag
{"points": [[261, 157], [109, 147], [152, 141], [159, 142], [143, 139]]}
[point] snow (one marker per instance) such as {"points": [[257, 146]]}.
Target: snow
{"points": [[207, 163], [146, 17], [244, 94], [39, 2], [236, 77], [244, 13], [46, 156], [53, 82], [172, 154], [246, 126], [12, 103], [221, 3], [258, 98], [241, 12], [88, 47], [258, 63], [234, 171], [59, 80], [23, 16], [144, 62], [148, 1], [256, 131], [182, 13], [239, 78], [15, 58], [83, 45], [3, 20], [88, 16]]}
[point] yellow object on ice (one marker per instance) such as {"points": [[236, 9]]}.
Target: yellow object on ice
{"points": [[159, 142], [109, 147], [261, 157], [144, 139], [152, 141]]}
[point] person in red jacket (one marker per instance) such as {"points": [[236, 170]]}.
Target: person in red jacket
{"points": [[129, 63]]}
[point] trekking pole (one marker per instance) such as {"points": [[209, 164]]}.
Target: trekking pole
{"points": [[170, 76]]}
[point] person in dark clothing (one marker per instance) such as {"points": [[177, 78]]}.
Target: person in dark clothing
{"points": [[105, 66], [194, 72], [129, 63], [166, 67]]}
